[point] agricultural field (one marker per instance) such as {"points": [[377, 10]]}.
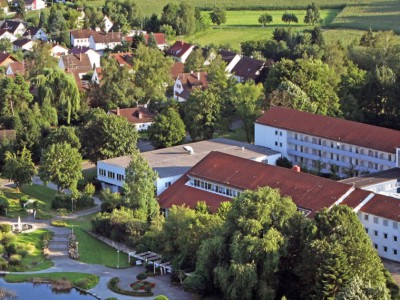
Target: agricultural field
{"points": [[375, 15], [243, 26]]}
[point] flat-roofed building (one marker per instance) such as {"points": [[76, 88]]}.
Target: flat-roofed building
{"points": [[318, 142], [171, 163]]}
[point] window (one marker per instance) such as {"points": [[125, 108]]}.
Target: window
{"points": [[366, 217], [280, 144], [394, 225], [276, 132], [395, 238], [366, 230], [394, 251], [385, 248], [375, 233], [120, 177], [280, 133], [276, 143], [295, 136], [167, 184], [385, 236], [385, 223], [111, 175], [376, 246], [376, 220], [102, 172]]}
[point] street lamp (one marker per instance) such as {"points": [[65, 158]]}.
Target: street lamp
{"points": [[117, 259], [76, 247]]}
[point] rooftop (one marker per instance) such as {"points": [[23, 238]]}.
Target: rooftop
{"points": [[176, 160], [137, 115], [354, 133], [373, 179], [178, 48], [383, 206], [81, 33], [107, 37]]}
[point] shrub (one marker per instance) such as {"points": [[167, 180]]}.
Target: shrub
{"points": [[284, 162], [4, 204], [141, 276], [61, 201], [59, 223], [3, 264], [5, 227], [8, 238], [113, 285], [161, 297], [15, 260], [11, 248], [23, 200], [22, 252]]}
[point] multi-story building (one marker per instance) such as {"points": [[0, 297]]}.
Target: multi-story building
{"points": [[171, 163], [320, 142], [219, 177]]}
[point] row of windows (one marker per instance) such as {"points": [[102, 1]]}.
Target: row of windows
{"points": [[385, 249], [385, 235], [214, 188], [102, 172], [276, 144], [111, 175], [276, 132], [385, 222]]}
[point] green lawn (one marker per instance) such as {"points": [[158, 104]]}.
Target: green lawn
{"points": [[43, 194], [105, 255], [238, 135], [74, 277], [375, 15], [34, 261]]}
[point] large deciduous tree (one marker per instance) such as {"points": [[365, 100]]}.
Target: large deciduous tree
{"points": [[14, 95], [140, 187], [167, 130], [265, 19], [218, 16], [19, 167], [107, 135], [312, 14], [40, 59], [63, 134], [289, 18], [62, 165], [247, 98]]}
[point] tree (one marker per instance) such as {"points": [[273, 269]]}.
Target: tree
{"points": [[19, 167], [195, 61], [152, 42], [152, 73], [247, 98], [169, 31], [57, 26], [63, 134], [153, 24], [218, 16], [202, 111], [40, 59], [61, 90], [137, 40], [139, 187], [312, 14], [167, 130], [14, 95], [21, 9], [289, 18], [6, 45], [107, 135], [265, 19], [62, 165]]}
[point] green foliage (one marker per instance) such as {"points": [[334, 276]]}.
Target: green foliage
{"points": [[141, 276], [6, 45], [161, 297], [58, 223], [167, 130], [152, 42], [195, 61], [284, 162], [181, 17], [19, 167], [61, 164], [62, 134], [40, 58], [265, 19], [218, 16], [113, 285], [312, 16], [247, 100], [107, 135], [15, 95], [139, 189], [289, 18], [5, 228]]}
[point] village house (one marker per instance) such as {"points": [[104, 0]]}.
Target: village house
{"points": [[6, 58], [173, 162], [219, 177], [15, 68], [248, 68], [58, 50], [94, 57], [160, 39], [35, 33], [176, 69], [107, 24], [319, 142], [4, 34], [180, 51], [186, 83], [141, 117], [17, 28], [32, 4], [100, 41], [80, 37], [78, 66], [124, 59], [24, 44]]}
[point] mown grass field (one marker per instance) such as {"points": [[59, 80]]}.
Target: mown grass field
{"points": [[243, 26], [375, 15]]}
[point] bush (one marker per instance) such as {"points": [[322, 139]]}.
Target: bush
{"points": [[4, 204], [5, 227], [8, 238], [61, 201], [113, 286], [11, 248], [3, 264], [23, 200], [141, 276], [22, 252], [284, 162], [59, 223], [161, 297], [15, 260]]}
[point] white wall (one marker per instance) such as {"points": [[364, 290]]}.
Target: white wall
{"points": [[111, 168], [184, 57], [164, 183], [94, 58], [266, 136], [233, 63], [377, 231], [142, 126]]}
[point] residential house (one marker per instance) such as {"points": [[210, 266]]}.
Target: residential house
{"points": [[4, 34], [176, 69], [80, 37], [36, 33], [173, 162], [186, 83], [17, 28], [94, 57], [160, 39], [123, 58], [58, 50], [100, 41], [24, 44], [319, 142], [180, 51], [141, 117], [6, 58], [248, 68], [78, 66], [34, 4], [230, 58], [107, 24], [219, 177], [4, 6], [15, 68]]}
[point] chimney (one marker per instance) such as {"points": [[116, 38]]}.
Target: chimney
{"points": [[118, 112], [296, 168], [198, 76]]}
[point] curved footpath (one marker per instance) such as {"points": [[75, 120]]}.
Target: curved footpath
{"points": [[126, 276]]}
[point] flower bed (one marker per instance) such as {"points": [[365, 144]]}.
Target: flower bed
{"points": [[141, 285], [113, 285], [72, 249]]}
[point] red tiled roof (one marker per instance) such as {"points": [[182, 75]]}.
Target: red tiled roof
{"points": [[176, 69], [17, 67], [82, 33], [134, 115], [383, 206], [307, 191], [192, 81], [79, 61], [355, 198], [336, 129], [107, 37], [4, 56], [123, 58], [178, 49], [160, 38]]}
